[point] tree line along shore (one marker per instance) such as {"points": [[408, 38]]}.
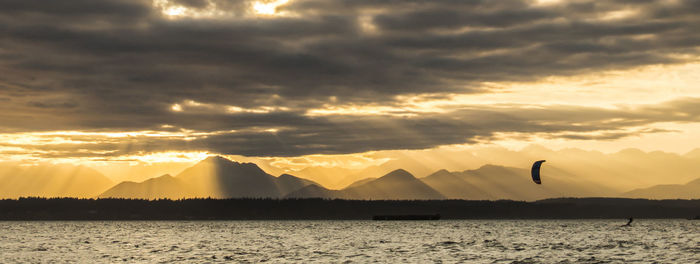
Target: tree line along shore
{"points": [[338, 209]]}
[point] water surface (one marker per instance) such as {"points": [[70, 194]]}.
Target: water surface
{"points": [[471, 241]]}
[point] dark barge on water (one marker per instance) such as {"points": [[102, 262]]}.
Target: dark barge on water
{"points": [[405, 217]]}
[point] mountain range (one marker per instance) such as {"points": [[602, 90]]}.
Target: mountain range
{"points": [[218, 177], [690, 190], [486, 183], [214, 177], [396, 185], [623, 171]]}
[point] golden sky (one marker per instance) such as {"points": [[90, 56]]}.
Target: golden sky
{"points": [[150, 87]]}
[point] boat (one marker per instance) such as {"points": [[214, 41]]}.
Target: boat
{"points": [[406, 217]]}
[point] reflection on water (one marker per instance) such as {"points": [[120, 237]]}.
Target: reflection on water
{"points": [[487, 241]]}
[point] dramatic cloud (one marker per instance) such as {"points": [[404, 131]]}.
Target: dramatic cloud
{"points": [[250, 77], [292, 134]]}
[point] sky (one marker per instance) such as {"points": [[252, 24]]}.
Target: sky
{"points": [[333, 82]]}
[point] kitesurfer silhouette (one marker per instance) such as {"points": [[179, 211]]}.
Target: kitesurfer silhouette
{"points": [[629, 223]]}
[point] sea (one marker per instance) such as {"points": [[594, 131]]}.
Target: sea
{"points": [[443, 241]]}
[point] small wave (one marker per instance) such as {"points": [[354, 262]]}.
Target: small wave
{"points": [[528, 260], [695, 250]]}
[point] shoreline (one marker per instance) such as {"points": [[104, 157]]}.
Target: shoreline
{"points": [[71, 209]]}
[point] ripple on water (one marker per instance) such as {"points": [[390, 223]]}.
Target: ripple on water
{"points": [[570, 241]]}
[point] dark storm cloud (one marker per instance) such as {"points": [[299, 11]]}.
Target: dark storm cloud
{"points": [[120, 65], [251, 134], [446, 17], [125, 8], [199, 4]]}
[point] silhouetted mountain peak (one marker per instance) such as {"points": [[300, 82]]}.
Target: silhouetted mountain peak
{"points": [[164, 176], [440, 173], [220, 162], [693, 154], [668, 191], [360, 182], [164, 186], [396, 185], [292, 177], [313, 187], [694, 182], [315, 191], [399, 174]]}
